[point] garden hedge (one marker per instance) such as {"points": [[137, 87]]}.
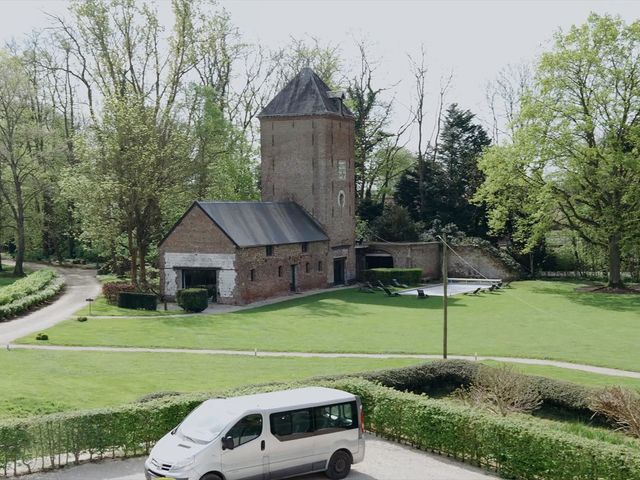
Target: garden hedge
{"points": [[516, 447], [32, 290], [443, 377], [111, 290], [138, 301], [410, 276], [193, 299], [32, 283]]}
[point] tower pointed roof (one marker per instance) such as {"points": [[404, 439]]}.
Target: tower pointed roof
{"points": [[305, 94]]}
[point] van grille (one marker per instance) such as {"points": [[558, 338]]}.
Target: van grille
{"points": [[165, 467]]}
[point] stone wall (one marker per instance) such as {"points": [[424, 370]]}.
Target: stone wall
{"points": [[477, 258], [428, 256], [424, 255]]}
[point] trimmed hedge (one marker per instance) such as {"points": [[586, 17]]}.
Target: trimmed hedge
{"points": [[32, 283], [410, 276], [111, 290], [42, 294], [515, 446], [138, 301], [193, 299]]}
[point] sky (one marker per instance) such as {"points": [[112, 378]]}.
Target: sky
{"points": [[473, 40]]}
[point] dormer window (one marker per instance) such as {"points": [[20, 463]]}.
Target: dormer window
{"points": [[305, 247], [269, 250]]}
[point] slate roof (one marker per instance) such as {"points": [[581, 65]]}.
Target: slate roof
{"points": [[251, 224], [305, 94]]}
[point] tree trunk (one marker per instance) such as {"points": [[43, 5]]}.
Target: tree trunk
{"points": [[18, 269], [142, 255], [134, 262], [615, 277]]}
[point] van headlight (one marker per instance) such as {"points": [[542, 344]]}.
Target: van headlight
{"points": [[184, 463]]}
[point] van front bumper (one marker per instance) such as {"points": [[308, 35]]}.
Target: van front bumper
{"points": [[151, 475]]}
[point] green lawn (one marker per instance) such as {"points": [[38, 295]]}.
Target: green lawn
{"points": [[7, 277], [35, 382], [101, 307], [541, 319]]}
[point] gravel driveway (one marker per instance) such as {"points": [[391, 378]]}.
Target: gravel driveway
{"points": [[383, 461]]}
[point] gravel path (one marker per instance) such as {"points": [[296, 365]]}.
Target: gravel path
{"points": [[526, 361], [80, 285], [383, 461]]}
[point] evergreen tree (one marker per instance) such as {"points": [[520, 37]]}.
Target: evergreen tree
{"points": [[451, 177]]}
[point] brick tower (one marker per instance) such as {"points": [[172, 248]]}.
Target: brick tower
{"points": [[307, 150]]}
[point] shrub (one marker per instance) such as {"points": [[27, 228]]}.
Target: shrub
{"points": [[502, 390], [81, 319], [111, 290], [31, 284], [410, 276], [138, 301], [620, 406], [24, 303], [193, 299], [42, 336]]}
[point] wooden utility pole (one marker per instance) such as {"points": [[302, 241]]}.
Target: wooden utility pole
{"points": [[445, 282]]}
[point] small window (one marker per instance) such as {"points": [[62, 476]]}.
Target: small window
{"points": [[253, 274], [307, 267], [342, 170], [305, 247], [280, 271], [269, 250], [320, 266], [247, 429]]}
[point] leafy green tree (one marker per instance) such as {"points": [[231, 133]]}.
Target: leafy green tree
{"points": [[573, 162]]}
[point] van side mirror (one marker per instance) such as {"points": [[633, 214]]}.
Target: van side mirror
{"points": [[227, 443]]}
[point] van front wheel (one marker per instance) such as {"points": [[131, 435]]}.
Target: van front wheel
{"points": [[339, 465]]}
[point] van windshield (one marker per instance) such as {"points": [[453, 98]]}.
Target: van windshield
{"points": [[204, 424]]}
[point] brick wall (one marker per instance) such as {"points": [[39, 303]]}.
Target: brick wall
{"points": [[310, 160], [268, 282], [476, 258]]}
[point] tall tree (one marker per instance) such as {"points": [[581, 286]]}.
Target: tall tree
{"points": [[19, 139], [573, 162], [450, 176]]}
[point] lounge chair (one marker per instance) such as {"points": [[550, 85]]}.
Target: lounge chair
{"points": [[397, 284], [493, 288], [390, 293], [366, 289], [421, 294], [475, 292], [372, 287]]}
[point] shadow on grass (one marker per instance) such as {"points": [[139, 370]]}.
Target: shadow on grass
{"points": [[347, 302], [619, 302]]}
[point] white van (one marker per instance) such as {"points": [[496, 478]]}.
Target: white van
{"points": [[264, 437]]}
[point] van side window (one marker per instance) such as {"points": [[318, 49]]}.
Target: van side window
{"points": [[247, 429], [333, 418], [292, 425], [314, 421]]}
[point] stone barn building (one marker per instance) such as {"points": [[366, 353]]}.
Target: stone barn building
{"points": [[302, 235]]}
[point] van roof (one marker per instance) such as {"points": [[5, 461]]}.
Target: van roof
{"points": [[282, 399]]}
